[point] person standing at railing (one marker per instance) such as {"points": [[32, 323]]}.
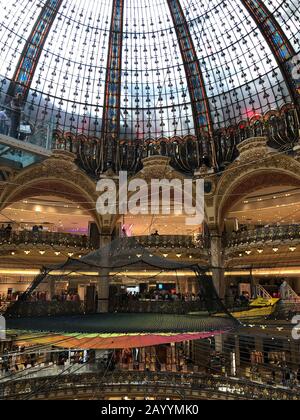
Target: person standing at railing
{"points": [[16, 111], [4, 123], [2, 232], [8, 231]]}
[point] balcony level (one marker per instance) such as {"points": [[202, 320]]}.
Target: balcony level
{"points": [[47, 244], [184, 247], [27, 243], [269, 244]]}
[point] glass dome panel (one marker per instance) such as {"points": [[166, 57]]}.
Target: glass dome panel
{"points": [[242, 77]]}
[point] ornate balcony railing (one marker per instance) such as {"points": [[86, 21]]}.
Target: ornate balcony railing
{"points": [[264, 235], [280, 127], [155, 307], [53, 239], [68, 385], [174, 242], [46, 309]]}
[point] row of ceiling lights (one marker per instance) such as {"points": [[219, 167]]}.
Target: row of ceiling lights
{"points": [[57, 253], [260, 251]]}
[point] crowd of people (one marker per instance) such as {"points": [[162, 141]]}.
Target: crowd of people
{"points": [[11, 118], [41, 296], [161, 296], [6, 231], [66, 296], [4, 122], [14, 297], [21, 360]]}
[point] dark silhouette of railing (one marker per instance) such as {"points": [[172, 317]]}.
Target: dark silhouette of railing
{"points": [[54, 239], [157, 384], [258, 235], [281, 128], [118, 304], [171, 242]]}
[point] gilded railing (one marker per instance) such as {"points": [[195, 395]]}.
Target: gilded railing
{"points": [[183, 385], [172, 241], [270, 234], [45, 238]]}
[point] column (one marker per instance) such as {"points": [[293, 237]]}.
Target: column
{"points": [[237, 353], [217, 263], [51, 287], [103, 292], [259, 344], [104, 275], [219, 343]]}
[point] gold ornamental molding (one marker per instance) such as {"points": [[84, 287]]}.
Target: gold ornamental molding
{"points": [[257, 166], [59, 176], [158, 167]]}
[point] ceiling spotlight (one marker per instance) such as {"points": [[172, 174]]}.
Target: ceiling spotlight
{"points": [[275, 249], [57, 253], [166, 255], [42, 252], [260, 251], [70, 254], [293, 248], [179, 255], [27, 252], [248, 252]]}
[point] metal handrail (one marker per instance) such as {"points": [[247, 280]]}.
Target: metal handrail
{"points": [[264, 235], [182, 382], [45, 238]]}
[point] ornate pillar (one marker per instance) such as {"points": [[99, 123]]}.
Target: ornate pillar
{"points": [[21, 82], [217, 262], [112, 100], [237, 353], [51, 287], [200, 103], [103, 292], [259, 343], [104, 274], [219, 342]]}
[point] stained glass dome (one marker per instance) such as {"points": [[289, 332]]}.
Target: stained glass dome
{"points": [[141, 69]]}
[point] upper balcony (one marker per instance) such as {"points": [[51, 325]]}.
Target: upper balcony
{"points": [[44, 239], [272, 244], [265, 235], [185, 246]]}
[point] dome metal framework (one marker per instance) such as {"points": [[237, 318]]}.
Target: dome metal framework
{"points": [[111, 75]]}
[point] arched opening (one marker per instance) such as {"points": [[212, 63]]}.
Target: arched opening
{"points": [[43, 222], [262, 218]]}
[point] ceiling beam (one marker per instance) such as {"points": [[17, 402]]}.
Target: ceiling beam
{"points": [[33, 49], [278, 42], [112, 101], [200, 103]]}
